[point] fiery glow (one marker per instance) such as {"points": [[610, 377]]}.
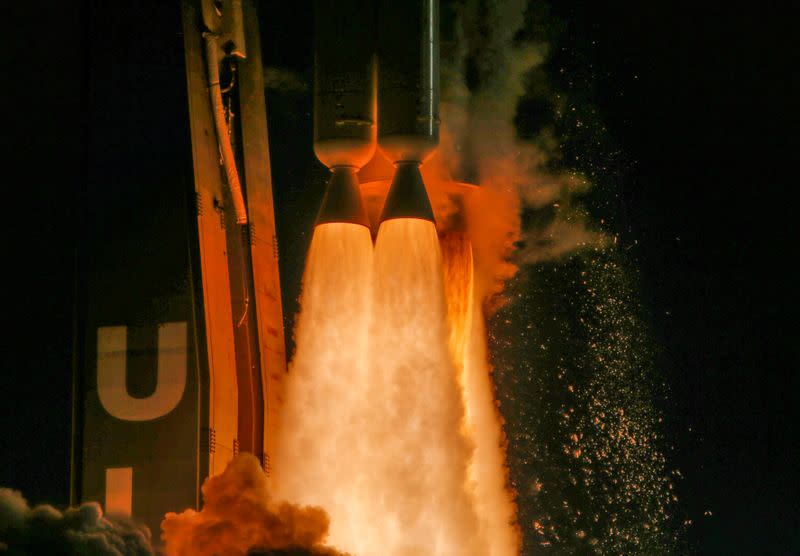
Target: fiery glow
{"points": [[487, 473], [423, 459], [240, 515], [321, 454], [390, 422]]}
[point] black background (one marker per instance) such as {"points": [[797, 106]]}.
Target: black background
{"points": [[699, 101]]}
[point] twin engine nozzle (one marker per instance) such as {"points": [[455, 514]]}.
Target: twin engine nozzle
{"points": [[379, 61]]}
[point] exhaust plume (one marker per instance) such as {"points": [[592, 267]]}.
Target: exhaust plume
{"points": [[375, 427], [45, 531], [423, 484], [240, 517], [321, 453], [487, 472]]}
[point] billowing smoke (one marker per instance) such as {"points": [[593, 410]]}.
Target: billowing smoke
{"points": [[486, 70], [240, 517], [573, 368], [44, 530]]}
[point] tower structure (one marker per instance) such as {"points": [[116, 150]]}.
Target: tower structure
{"points": [[179, 342]]}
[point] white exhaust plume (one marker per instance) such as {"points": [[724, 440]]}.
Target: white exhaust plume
{"points": [[374, 428], [321, 454], [421, 479]]}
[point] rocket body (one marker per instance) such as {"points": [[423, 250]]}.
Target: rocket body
{"points": [[346, 134]]}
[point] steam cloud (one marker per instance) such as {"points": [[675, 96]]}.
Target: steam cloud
{"points": [[43, 530], [486, 70], [240, 517]]}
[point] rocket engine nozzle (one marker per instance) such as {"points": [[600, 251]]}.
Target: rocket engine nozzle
{"points": [[344, 104], [408, 100], [407, 197], [342, 202]]}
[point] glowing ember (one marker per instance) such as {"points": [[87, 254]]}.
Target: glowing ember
{"points": [[375, 428]]}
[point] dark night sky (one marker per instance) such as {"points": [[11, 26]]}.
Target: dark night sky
{"points": [[696, 100]]}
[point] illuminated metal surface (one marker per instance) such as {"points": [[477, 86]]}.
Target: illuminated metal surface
{"points": [[266, 287], [181, 330]]}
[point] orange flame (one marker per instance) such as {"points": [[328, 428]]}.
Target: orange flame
{"points": [[390, 422]]}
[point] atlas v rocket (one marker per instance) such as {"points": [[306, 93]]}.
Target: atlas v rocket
{"points": [[179, 368]]}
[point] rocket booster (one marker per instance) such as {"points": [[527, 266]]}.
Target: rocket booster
{"points": [[344, 103], [402, 39]]}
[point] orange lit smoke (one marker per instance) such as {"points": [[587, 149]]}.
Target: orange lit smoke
{"points": [[241, 517], [389, 421]]}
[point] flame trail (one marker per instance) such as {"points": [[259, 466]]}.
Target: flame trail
{"points": [[321, 453], [389, 421], [488, 472], [421, 465]]}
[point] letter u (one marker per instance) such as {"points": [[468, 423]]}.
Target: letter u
{"points": [[112, 350]]}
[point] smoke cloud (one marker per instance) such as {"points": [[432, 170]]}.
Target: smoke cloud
{"points": [[44, 530], [486, 71], [240, 517]]}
